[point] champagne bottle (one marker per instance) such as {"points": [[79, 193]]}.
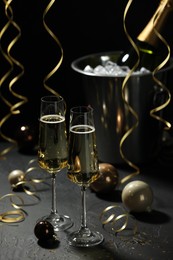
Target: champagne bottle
{"points": [[148, 41]]}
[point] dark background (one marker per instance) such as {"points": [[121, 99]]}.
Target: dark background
{"points": [[82, 27]]}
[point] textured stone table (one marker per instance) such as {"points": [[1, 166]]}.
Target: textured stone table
{"points": [[154, 240]]}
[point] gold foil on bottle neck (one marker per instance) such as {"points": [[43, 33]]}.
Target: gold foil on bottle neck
{"points": [[157, 23]]}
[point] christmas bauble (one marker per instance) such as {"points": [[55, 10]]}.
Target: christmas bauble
{"points": [[26, 137], [108, 179], [44, 230], [137, 196], [15, 177]]}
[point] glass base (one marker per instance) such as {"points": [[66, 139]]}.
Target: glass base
{"points": [[85, 238], [59, 222]]}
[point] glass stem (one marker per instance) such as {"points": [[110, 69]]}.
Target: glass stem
{"points": [[53, 210], [83, 215]]}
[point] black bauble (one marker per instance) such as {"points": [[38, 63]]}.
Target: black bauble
{"points": [[44, 230]]}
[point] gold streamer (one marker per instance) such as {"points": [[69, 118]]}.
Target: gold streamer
{"points": [[158, 82], [9, 216], [33, 168], [12, 61], [125, 81], [30, 181], [28, 192], [18, 214], [4, 217], [52, 72], [114, 218], [4, 77], [15, 62]]}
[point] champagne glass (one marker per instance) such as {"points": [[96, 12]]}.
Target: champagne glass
{"points": [[53, 150], [83, 168]]}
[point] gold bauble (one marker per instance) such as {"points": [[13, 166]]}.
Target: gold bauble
{"points": [[108, 179], [15, 177]]}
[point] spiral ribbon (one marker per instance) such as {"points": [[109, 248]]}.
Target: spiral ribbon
{"points": [[12, 62], [18, 215], [50, 32], [12, 215], [125, 81], [114, 218], [29, 181], [163, 88]]}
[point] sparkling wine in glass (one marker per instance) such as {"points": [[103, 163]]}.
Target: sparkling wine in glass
{"points": [[83, 168], [53, 151]]}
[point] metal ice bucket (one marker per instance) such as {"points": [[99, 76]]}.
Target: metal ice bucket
{"points": [[113, 119]]}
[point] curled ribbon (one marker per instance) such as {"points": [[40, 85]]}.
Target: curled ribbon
{"points": [[114, 218], [5, 76], [30, 181], [18, 215], [12, 215], [4, 217], [26, 181], [13, 62], [163, 88], [52, 72], [131, 110]]}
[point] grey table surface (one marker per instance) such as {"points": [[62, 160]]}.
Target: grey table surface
{"points": [[153, 240]]}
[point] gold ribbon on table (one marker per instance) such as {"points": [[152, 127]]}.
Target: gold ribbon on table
{"points": [[131, 110], [30, 181], [12, 216], [114, 218], [50, 32], [18, 215], [13, 108]]}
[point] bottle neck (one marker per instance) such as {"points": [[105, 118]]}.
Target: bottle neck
{"points": [[157, 22]]}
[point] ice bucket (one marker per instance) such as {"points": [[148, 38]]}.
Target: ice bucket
{"points": [[113, 119]]}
